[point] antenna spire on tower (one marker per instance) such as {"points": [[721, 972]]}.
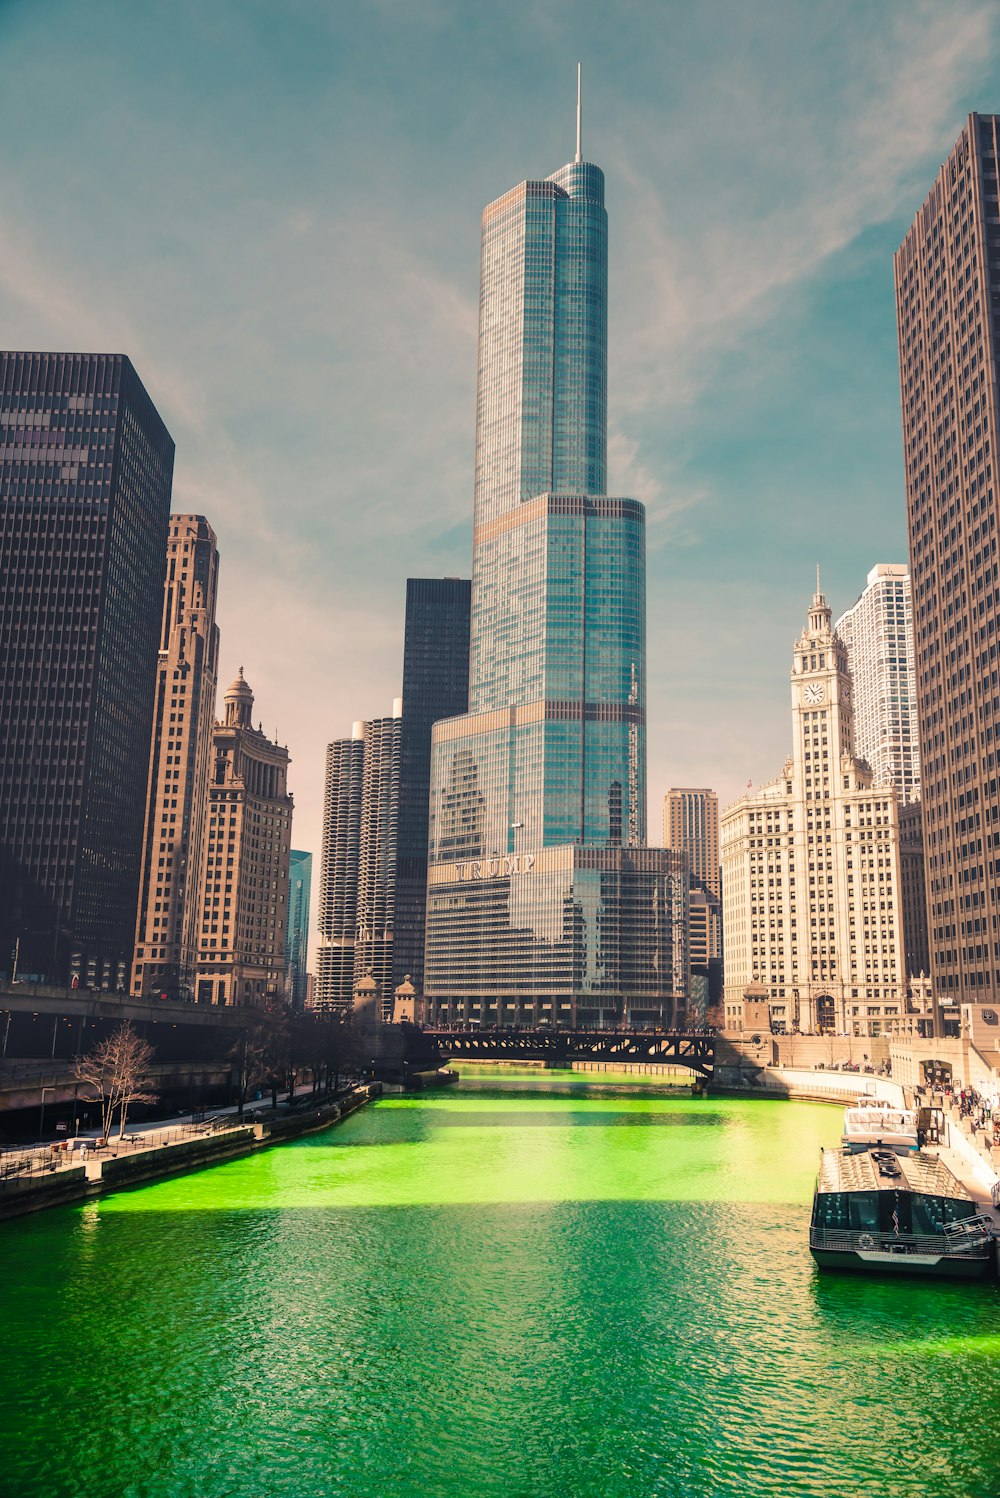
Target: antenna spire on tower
{"points": [[579, 111]]}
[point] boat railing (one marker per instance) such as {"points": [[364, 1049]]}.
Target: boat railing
{"points": [[971, 1227], [976, 1236]]}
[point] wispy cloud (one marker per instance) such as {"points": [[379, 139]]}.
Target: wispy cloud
{"points": [[826, 166], [279, 223]]}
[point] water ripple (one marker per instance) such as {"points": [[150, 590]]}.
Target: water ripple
{"points": [[597, 1312]]}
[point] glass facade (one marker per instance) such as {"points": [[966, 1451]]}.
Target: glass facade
{"points": [[435, 685], [85, 474], [567, 936], [547, 770], [297, 942]]}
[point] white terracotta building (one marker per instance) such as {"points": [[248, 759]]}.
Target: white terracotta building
{"points": [[812, 902]]}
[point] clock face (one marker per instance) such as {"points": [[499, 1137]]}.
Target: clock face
{"points": [[814, 693]]}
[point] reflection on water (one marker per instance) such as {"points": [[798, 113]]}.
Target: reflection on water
{"points": [[502, 1292]]}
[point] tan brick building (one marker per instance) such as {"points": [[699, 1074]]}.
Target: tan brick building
{"points": [[691, 826], [947, 278], [244, 904], [166, 939]]}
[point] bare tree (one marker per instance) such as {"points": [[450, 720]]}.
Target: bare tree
{"points": [[116, 1068], [325, 1045], [258, 1054]]}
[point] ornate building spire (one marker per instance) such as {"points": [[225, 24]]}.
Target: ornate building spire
{"points": [[239, 703]]}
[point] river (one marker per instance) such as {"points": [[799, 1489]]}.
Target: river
{"points": [[522, 1286]]}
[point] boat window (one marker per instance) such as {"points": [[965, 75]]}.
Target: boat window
{"points": [[957, 1211], [928, 1216], [831, 1210], [932, 1214], [863, 1208]]}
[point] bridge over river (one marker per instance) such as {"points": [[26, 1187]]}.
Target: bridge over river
{"points": [[560, 1048]]}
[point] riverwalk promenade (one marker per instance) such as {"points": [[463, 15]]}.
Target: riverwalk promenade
{"points": [[37, 1176]]}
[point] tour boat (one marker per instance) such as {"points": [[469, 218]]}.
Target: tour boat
{"points": [[883, 1203], [870, 1123]]}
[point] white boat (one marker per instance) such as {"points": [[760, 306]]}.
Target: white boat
{"points": [[868, 1124], [884, 1203]]}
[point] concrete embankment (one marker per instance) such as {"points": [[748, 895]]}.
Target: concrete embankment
{"points": [[30, 1192], [813, 1086], [750, 1067]]}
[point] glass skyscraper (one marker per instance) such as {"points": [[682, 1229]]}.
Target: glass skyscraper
{"points": [[435, 685], [86, 466], [537, 805], [297, 940]]}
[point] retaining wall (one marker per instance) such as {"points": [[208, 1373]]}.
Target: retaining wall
{"points": [[115, 1172]]}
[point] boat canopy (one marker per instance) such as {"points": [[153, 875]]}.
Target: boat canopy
{"points": [[894, 1127]]}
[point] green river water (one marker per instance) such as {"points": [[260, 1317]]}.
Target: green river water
{"points": [[518, 1287]]}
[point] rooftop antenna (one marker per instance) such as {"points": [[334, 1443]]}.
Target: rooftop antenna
{"points": [[818, 588], [579, 112]]}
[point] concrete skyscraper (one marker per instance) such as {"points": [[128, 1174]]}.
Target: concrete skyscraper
{"points": [[878, 633], [377, 851], [85, 475], [947, 275], [166, 938], [543, 903], [338, 883], [244, 880], [357, 899], [691, 825]]}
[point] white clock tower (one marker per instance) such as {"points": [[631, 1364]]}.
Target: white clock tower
{"points": [[821, 685], [811, 881]]}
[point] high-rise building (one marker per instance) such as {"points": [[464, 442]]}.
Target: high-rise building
{"points": [[878, 633], [947, 275], [166, 938], [357, 902], [373, 949], [537, 804], [705, 951], [914, 893], [85, 475], [244, 881], [811, 882], [435, 685], [297, 942], [338, 884], [691, 825]]}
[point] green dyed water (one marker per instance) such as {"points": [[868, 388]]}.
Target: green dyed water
{"points": [[489, 1291]]}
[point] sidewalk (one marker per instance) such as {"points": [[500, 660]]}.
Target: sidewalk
{"points": [[51, 1156]]}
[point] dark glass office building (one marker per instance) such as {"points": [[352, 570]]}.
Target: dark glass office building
{"points": [[85, 476], [540, 906], [435, 686]]}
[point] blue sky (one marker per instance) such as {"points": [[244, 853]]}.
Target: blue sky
{"points": [[274, 210]]}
